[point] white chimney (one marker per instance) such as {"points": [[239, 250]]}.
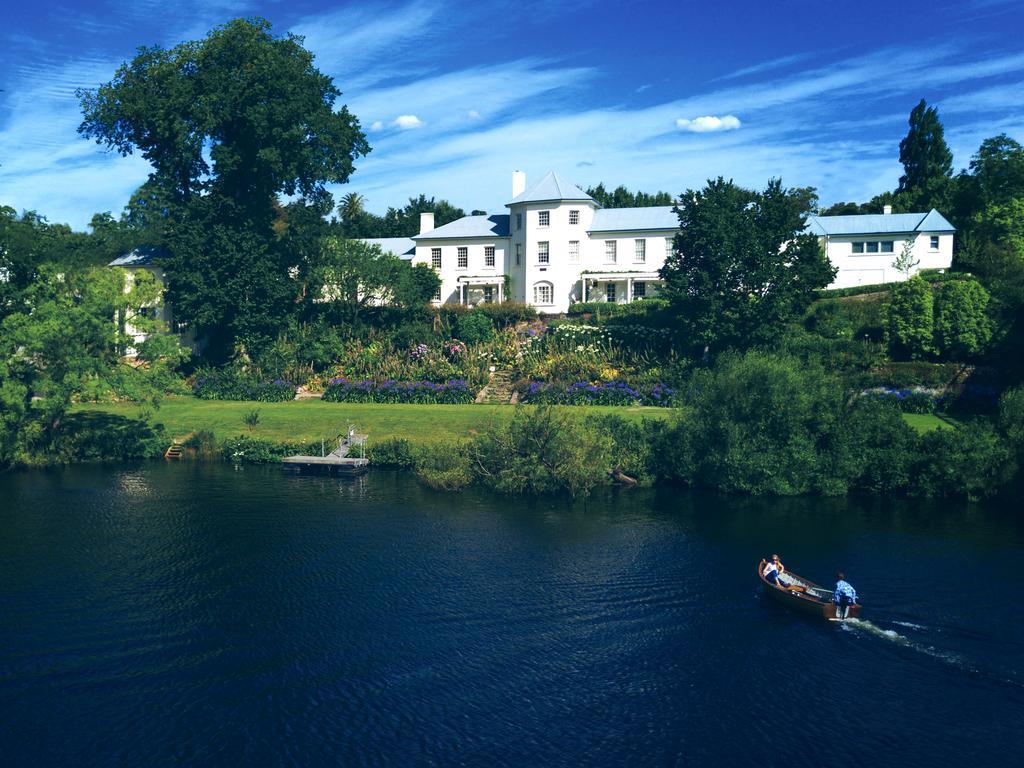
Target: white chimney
{"points": [[518, 183], [886, 209], [426, 222]]}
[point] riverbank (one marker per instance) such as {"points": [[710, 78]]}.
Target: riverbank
{"points": [[310, 420]]}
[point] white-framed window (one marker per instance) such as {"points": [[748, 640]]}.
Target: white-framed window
{"points": [[544, 218], [435, 258], [668, 247], [609, 293], [640, 247], [610, 252], [488, 294], [574, 251], [933, 243], [519, 254], [463, 257], [543, 252], [574, 217], [873, 246], [488, 255], [437, 295], [519, 221], [543, 293], [639, 290]]}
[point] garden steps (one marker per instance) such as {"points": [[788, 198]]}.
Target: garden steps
{"points": [[498, 389], [177, 447]]}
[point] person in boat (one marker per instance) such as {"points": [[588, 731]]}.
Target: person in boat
{"points": [[773, 571], [845, 596]]}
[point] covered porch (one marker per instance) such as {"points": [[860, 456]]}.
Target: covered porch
{"points": [[485, 289], [619, 287]]}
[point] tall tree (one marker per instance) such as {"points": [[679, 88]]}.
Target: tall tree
{"points": [[927, 161], [742, 266], [620, 197], [229, 123]]}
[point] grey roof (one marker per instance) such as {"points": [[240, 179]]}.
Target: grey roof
{"points": [[139, 257], [879, 224], [469, 226], [400, 246], [634, 219], [552, 187]]}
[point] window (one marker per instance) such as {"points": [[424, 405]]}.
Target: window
{"points": [[519, 221], [437, 295], [463, 261], [435, 258], [641, 250], [639, 290], [488, 255], [871, 247], [609, 251], [543, 293], [574, 217], [668, 247], [519, 254], [488, 294], [610, 293], [887, 246], [574, 251], [544, 219], [543, 255], [933, 242], [857, 247]]}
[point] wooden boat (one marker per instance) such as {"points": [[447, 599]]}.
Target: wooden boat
{"points": [[804, 596]]}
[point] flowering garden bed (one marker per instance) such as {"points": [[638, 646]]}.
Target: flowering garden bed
{"points": [[602, 393], [451, 392]]}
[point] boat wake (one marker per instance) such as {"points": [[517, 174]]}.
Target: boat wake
{"points": [[947, 657]]}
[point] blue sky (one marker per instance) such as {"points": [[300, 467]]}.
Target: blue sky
{"points": [[454, 96]]}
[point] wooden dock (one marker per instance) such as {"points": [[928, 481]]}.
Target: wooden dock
{"points": [[340, 461]]}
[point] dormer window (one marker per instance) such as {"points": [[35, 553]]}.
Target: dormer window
{"points": [[544, 219], [574, 217]]}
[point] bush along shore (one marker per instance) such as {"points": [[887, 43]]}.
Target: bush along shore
{"points": [[754, 423]]}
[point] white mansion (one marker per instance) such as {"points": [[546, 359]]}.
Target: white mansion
{"points": [[556, 246]]}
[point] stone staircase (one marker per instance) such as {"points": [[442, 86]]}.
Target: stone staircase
{"points": [[175, 451], [498, 389]]}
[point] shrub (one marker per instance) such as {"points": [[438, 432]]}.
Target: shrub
{"points": [[543, 450], [756, 423], [909, 318], [1011, 419], [253, 450], [875, 448], [393, 452], [962, 327], [451, 392], [229, 384], [907, 400], [968, 461], [602, 393], [105, 437], [475, 327], [444, 466], [507, 313]]}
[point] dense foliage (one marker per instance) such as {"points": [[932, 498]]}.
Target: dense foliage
{"points": [[231, 384], [450, 392]]}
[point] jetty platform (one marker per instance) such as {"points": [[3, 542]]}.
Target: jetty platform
{"points": [[340, 461]]}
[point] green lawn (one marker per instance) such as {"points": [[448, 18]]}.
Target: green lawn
{"points": [[308, 420], [926, 422]]}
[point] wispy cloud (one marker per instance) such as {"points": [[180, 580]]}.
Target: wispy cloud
{"points": [[708, 123], [765, 66]]}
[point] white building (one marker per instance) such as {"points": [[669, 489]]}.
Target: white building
{"points": [[554, 247], [864, 247]]}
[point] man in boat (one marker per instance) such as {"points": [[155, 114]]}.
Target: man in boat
{"points": [[773, 570], [845, 596]]}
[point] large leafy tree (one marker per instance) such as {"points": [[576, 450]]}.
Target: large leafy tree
{"points": [[229, 124], [927, 161], [742, 266], [396, 222], [620, 197]]}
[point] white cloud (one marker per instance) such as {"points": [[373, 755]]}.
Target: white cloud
{"points": [[376, 125], [406, 122], [473, 114], [709, 123]]}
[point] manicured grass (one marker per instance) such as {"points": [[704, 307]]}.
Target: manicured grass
{"points": [[308, 420], [926, 422]]}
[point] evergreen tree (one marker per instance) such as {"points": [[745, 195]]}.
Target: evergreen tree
{"points": [[927, 161]]}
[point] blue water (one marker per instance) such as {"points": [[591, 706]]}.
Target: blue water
{"points": [[202, 615]]}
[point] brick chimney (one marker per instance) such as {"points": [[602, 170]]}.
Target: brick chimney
{"points": [[426, 222], [518, 183]]}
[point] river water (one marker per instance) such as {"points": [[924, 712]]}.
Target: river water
{"points": [[196, 614]]}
